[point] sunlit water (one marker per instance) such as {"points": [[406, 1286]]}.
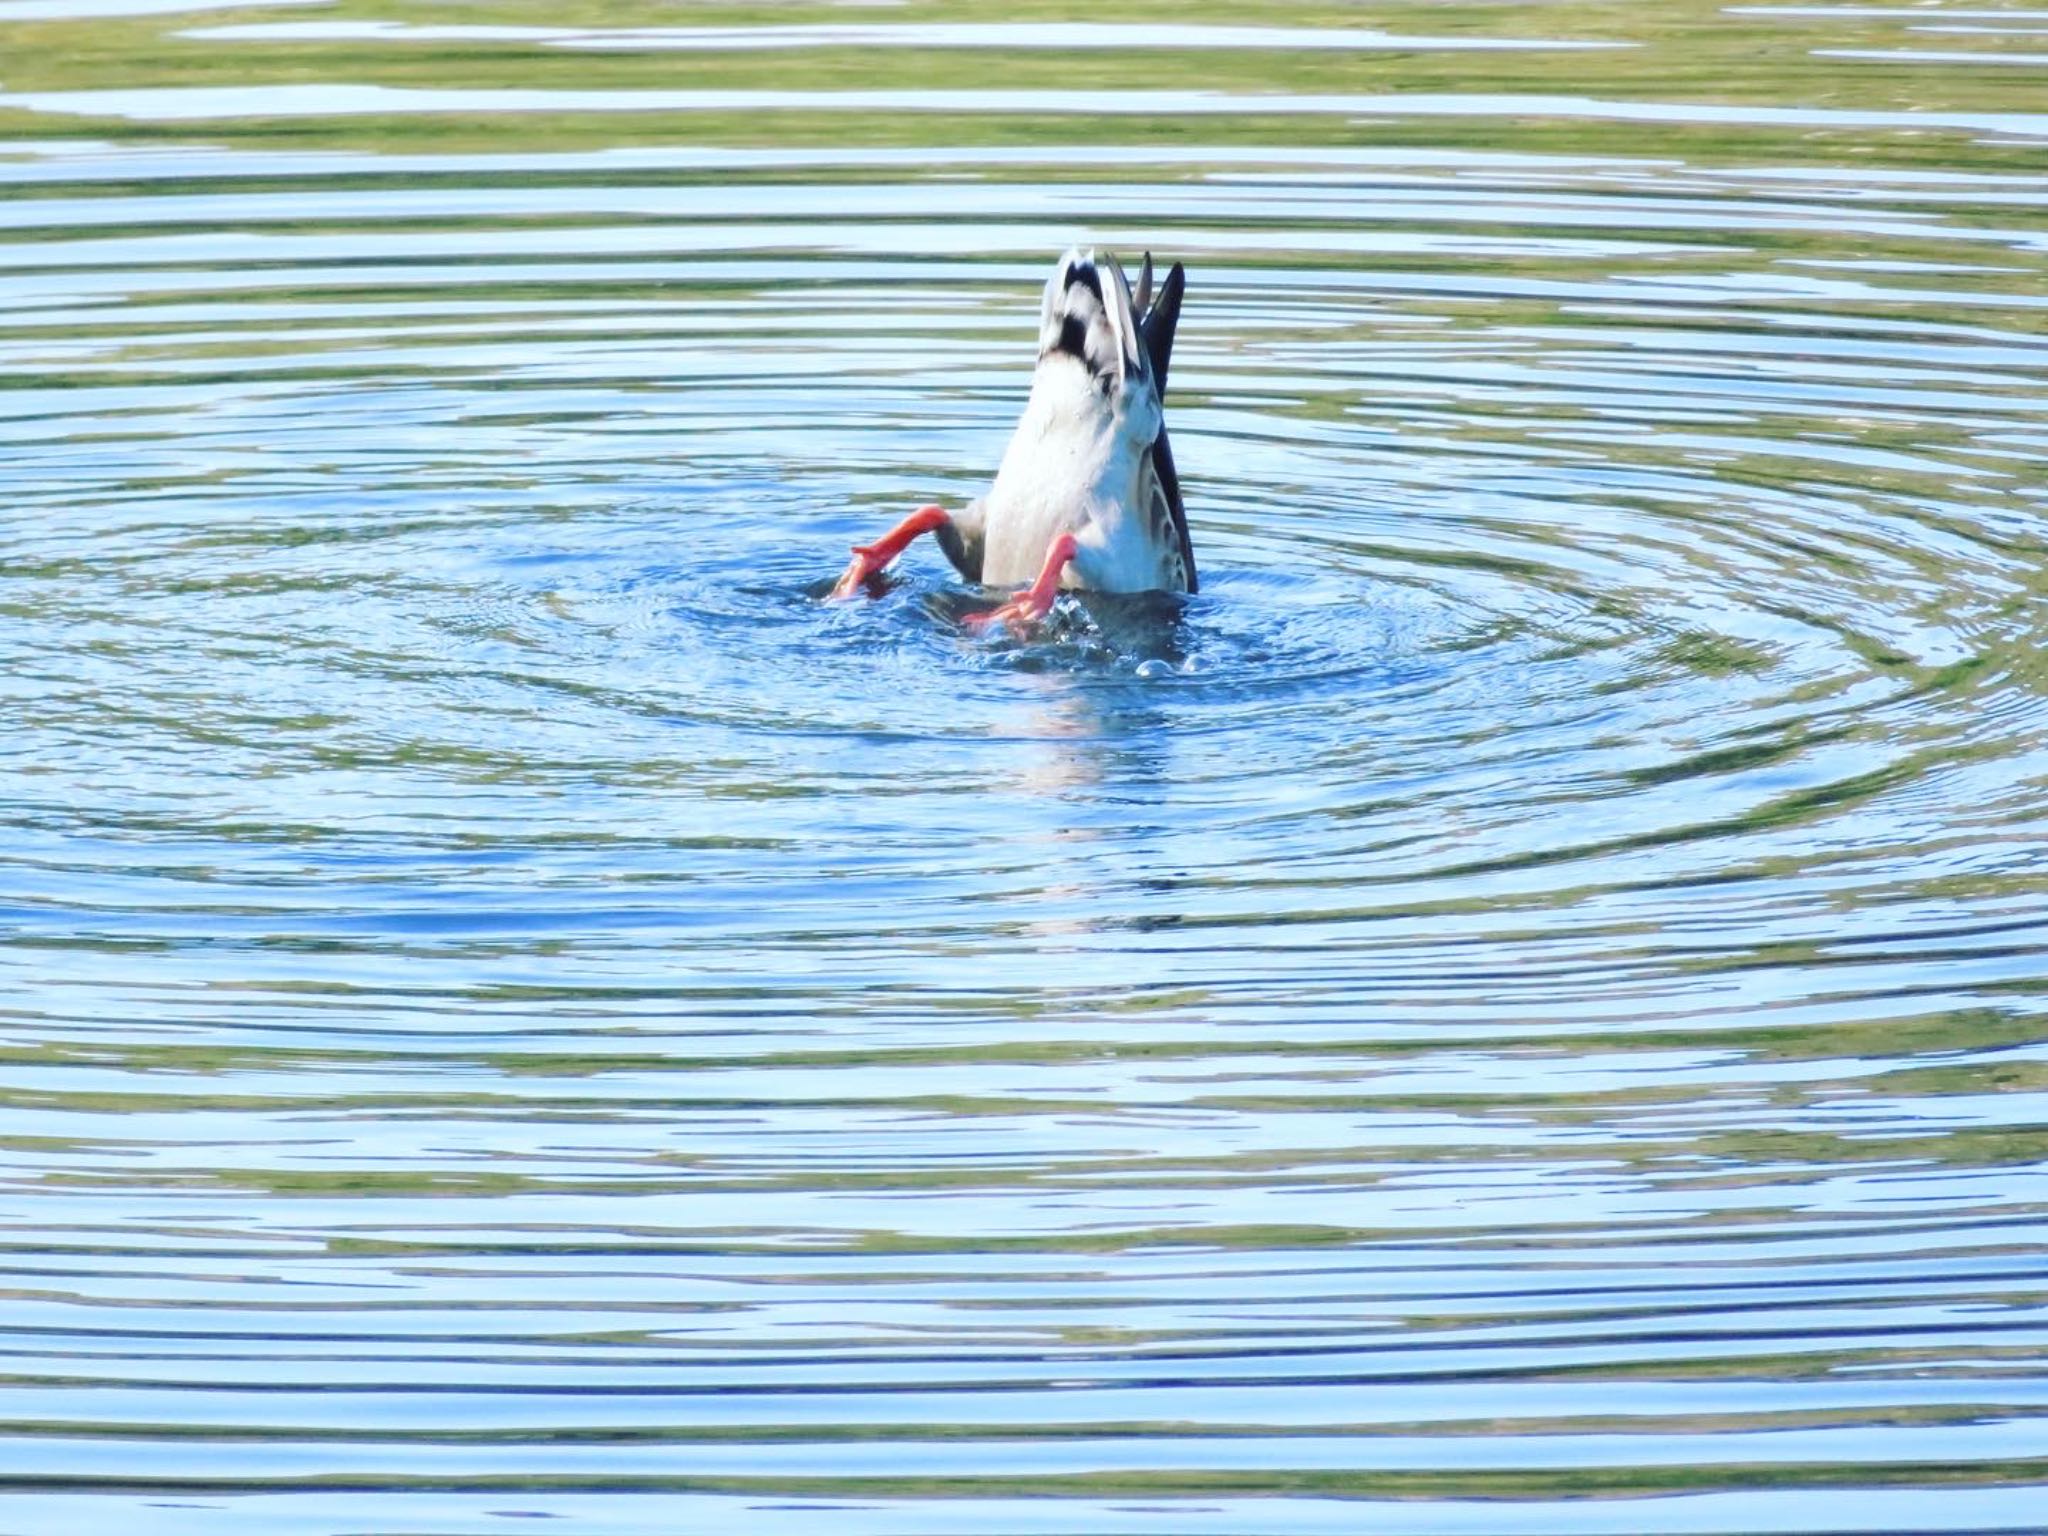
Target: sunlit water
{"points": [[1518, 1009]]}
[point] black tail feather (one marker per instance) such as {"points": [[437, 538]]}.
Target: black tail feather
{"points": [[1156, 325]]}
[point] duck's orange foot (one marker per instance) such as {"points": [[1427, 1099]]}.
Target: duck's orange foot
{"points": [[870, 559], [1030, 606]]}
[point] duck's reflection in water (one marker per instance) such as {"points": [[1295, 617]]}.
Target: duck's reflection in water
{"points": [[1091, 769]]}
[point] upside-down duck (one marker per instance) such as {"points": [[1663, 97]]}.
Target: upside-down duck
{"points": [[1086, 497]]}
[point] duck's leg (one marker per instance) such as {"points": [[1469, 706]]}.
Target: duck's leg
{"points": [[870, 558], [1035, 601]]}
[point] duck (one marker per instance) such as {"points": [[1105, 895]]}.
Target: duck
{"points": [[1086, 497]]}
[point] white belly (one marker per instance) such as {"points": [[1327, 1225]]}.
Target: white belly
{"points": [[1071, 467]]}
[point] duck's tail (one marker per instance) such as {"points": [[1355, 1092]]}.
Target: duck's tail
{"points": [[1158, 317], [1088, 315]]}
